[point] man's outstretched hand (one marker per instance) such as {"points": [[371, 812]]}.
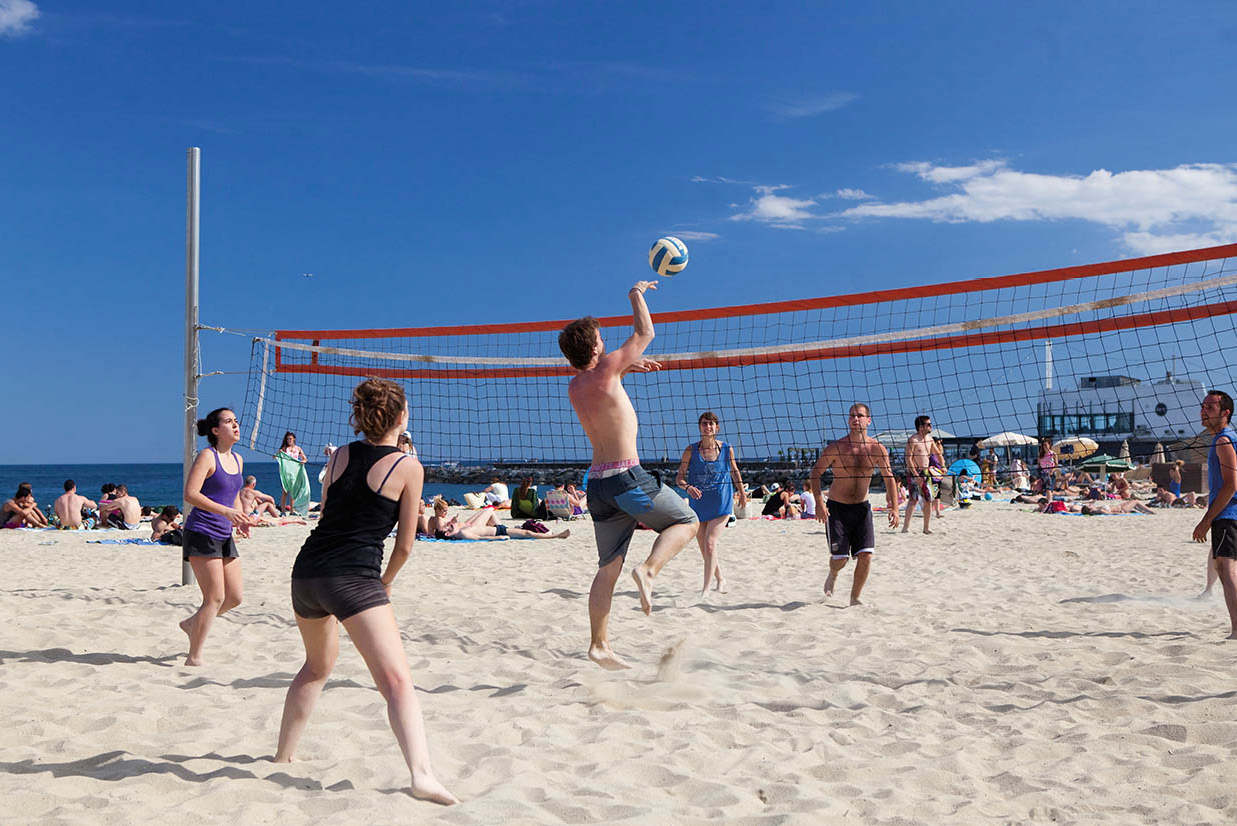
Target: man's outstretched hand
{"points": [[643, 366]]}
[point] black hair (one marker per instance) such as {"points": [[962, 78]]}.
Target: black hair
{"points": [[285, 439], [170, 512], [107, 488], [24, 489], [1226, 403], [920, 421], [205, 426], [69, 484]]}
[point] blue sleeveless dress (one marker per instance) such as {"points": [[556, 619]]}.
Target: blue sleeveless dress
{"points": [[713, 479]]}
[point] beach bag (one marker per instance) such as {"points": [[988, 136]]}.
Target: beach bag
{"points": [[534, 526], [173, 537]]}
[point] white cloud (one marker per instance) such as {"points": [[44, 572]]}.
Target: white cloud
{"points": [[694, 235], [1153, 210], [812, 105], [848, 194], [16, 17], [767, 207]]}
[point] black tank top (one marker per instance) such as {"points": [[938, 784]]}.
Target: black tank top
{"points": [[348, 538]]}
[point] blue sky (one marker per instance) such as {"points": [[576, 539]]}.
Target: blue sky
{"points": [[487, 162]]}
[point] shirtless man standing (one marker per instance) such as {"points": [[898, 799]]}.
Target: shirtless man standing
{"points": [[847, 514], [122, 511], [69, 507], [620, 492], [917, 449]]}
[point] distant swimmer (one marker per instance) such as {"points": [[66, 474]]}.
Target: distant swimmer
{"points": [[621, 494], [847, 513], [918, 480]]}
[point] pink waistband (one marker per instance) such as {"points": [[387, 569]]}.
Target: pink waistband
{"points": [[620, 465]]}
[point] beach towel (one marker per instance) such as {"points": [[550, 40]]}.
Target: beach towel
{"points": [[295, 481], [123, 542]]}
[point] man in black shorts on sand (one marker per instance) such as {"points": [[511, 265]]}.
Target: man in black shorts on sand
{"points": [[620, 492], [847, 514]]}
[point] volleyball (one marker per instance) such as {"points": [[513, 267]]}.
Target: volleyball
{"points": [[668, 256]]}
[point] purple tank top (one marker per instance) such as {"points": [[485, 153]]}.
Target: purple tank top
{"points": [[221, 488]]}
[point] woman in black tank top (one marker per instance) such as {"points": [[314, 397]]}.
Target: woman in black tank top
{"points": [[369, 487]]}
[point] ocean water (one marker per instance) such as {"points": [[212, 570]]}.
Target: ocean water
{"points": [[160, 483]]}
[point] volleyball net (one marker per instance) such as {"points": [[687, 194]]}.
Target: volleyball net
{"points": [[1114, 351]]}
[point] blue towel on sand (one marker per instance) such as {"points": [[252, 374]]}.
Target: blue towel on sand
{"points": [[124, 542]]}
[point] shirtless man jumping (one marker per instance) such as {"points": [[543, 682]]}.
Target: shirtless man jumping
{"points": [[917, 483], [620, 492], [847, 514]]}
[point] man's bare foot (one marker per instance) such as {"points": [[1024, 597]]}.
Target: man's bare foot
{"points": [[607, 659], [426, 787], [720, 586], [906, 530], [194, 661], [1232, 636], [1206, 592], [927, 532], [855, 601], [829, 580], [563, 535], [645, 586]]}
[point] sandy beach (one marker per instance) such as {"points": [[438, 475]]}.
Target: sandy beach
{"points": [[1011, 668]]}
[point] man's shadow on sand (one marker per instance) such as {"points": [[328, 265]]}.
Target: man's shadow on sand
{"points": [[118, 765], [64, 655]]}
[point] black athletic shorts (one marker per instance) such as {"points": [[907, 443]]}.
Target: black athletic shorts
{"points": [[850, 529], [199, 544], [1224, 539], [341, 596]]}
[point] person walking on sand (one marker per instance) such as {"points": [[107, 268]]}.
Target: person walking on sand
{"points": [[847, 514], [1221, 515], [213, 489], [620, 492], [370, 486], [918, 482], [709, 472]]}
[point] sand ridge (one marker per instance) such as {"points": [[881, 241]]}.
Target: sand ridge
{"points": [[1012, 667]]}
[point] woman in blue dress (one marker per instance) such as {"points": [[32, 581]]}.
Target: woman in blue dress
{"points": [[709, 472]]}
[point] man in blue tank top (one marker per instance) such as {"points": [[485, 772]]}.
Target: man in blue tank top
{"points": [[1221, 515]]}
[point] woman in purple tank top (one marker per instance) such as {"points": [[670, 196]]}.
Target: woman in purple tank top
{"points": [[213, 489]]}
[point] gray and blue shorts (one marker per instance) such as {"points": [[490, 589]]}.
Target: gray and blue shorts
{"points": [[618, 503]]}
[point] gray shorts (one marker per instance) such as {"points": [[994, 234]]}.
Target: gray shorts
{"points": [[617, 503]]}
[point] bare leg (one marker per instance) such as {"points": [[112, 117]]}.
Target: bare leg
{"points": [[1212, 575], [1226, 569], [707, 537], [863, 563], [835, 568], [600, 596], [520, 533], [910, 511], [209, 573], [233, 585], [665, 547], [321, 638], [927, 514], [376, 635]]}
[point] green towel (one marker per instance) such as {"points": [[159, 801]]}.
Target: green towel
{"points": [[295, 481]]}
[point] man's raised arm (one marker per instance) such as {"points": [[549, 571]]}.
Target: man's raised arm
{"points": [[630, 355]]}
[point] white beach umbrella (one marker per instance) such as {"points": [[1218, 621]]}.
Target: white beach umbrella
{"points": [[1157, 455], [1125, 450], [1008, 439]]}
